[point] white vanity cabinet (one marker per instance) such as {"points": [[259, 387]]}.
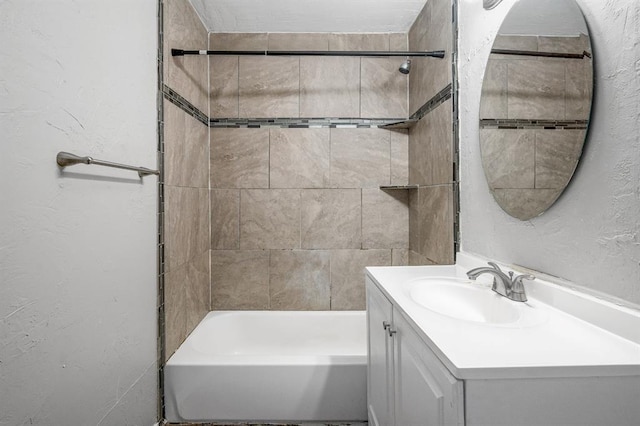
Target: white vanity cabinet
{"points": [[426, 369], [407, 384], [380, 358]]}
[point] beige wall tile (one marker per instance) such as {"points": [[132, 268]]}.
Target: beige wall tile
{"points": [[299, 158], [360, 158], [440, 129], [175, 310], [420, 152], [556, 156], [299, 280], [508, 157], [225, 219], [400, 257], [357, 41], [399, 157], [416, 259], [327, 93], [174, 141], [435, 212], [385, 219], [431, 31], [187, 224], [186, 149], [330, 218], [196, 154], [198, 288], [269, 219], [239, 158], [428, 77], [418, 31], [299, 41], [269, 86], [398, 41], [237, 41], [239, 279], [347, 276], [421, 86], [536, 89], [185, 74], [493, 103], [414, 221], [440, 37], [383, 92], [224, 95]]}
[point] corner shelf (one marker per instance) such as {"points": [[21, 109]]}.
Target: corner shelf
{"points": [[394, 187]]}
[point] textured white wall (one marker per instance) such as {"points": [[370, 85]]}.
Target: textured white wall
{"points": [[591, 236], [77, 248]]}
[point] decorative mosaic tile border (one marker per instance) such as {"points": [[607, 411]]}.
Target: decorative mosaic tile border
{"points": [[160, 353], [175, 98], [456, 129], [517, 123], [433, 103], [302, 123]]}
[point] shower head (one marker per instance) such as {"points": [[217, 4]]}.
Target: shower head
{"points": [[405, 67]]}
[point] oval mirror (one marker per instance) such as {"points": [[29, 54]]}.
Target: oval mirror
{"points": [[535, 104]]}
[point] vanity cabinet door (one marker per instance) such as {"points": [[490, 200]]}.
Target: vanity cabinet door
{"points": [[426, 394], [380, 360]]}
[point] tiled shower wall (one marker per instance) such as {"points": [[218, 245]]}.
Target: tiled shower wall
{"points": [[186, 178], [287, 218], [297, 213], [431, 140]]}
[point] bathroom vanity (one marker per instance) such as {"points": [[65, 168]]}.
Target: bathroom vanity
{"points": [[444, 350]]}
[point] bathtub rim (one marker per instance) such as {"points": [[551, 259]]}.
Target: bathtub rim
{"points": [[187, 355]]}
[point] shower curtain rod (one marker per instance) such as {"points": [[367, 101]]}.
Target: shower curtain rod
{"points": [[180, 52]]}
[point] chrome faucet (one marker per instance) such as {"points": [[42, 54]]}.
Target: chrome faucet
{"points": [[505, 285]]}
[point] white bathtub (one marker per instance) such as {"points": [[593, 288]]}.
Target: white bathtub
{"points": [[270, 366]]}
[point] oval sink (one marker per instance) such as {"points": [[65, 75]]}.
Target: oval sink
{"points": [[465, 300]]}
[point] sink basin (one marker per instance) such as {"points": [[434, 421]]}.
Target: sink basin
{"points": [[464, 300]]}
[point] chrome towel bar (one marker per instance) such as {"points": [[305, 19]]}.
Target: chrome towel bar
{"points": [[65, 159]]}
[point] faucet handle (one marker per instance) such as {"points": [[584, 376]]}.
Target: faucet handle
{"points": [[518, 285]]}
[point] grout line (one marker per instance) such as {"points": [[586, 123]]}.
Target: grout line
{"points": [[299, 86], [269, 281], [361, 220], [209, 131]]}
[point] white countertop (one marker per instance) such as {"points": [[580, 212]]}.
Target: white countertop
{"points": [[559, 345]]}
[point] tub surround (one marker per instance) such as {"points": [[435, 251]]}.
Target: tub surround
{"points": [[432, 140], [185, 185], [304, 198], [297, 213]]}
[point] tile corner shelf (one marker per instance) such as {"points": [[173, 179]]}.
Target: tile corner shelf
{"points": [[404, 124], [390, 187]]}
